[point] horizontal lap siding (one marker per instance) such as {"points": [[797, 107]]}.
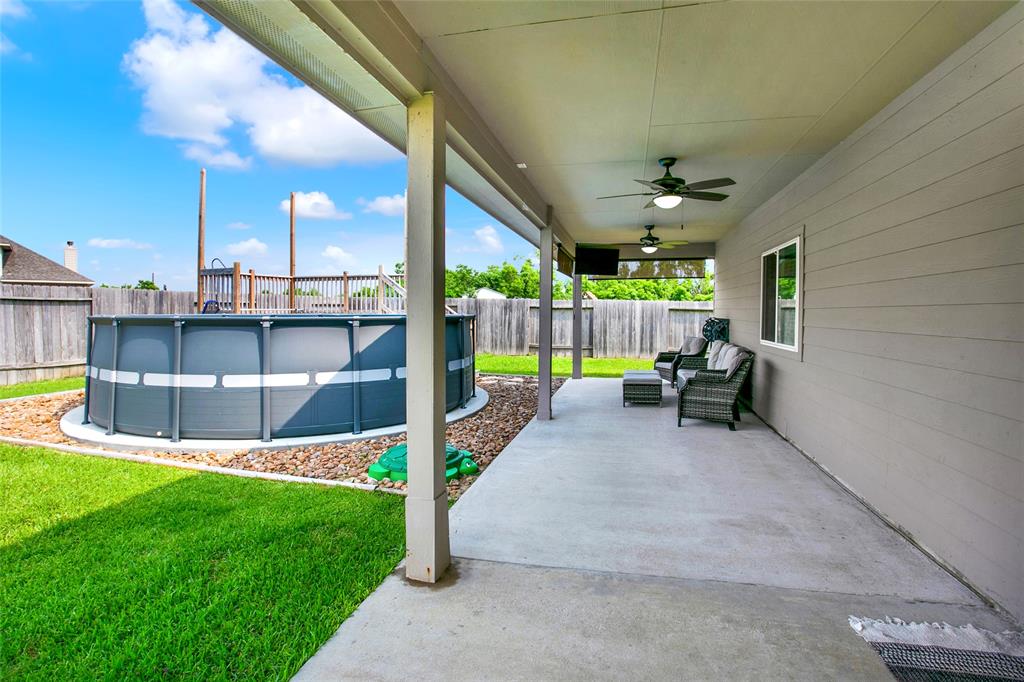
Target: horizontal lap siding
{"points": [[910, 384]]}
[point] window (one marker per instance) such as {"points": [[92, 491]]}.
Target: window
{"points": [[780, 296]]}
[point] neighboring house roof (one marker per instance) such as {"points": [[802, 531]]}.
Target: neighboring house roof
{"points": [[22, 265], [485, 292]]}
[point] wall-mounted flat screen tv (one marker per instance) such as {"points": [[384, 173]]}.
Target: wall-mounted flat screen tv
{"points": [[596, 261]]}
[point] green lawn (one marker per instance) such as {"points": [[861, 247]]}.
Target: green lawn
{"points": [[117, 570], [47, 386], [560, 366]]}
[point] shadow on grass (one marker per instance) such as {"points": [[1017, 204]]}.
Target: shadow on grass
{"points": [[208, 577]]}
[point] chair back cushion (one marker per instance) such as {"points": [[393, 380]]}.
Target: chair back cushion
{"points": [[692, 345], [716, 350], [735, 360]]}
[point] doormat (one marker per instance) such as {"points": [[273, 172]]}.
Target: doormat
{"points": [[939, 652]]}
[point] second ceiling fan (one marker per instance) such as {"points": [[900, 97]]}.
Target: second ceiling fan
{"points": [[670, 190]]}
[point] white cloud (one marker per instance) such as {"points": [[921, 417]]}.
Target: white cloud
{"points": [[200, 84], [211, 156], [385, 205], [316, 205], [486, 240], [248, 247], [101, 243], [238, 225], [339, 256], [13, 8]]}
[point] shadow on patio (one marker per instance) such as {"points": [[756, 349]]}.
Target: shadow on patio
{"points": [[609, 543]]}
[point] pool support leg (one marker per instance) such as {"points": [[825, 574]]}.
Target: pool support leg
{"points": [[264, 388], [113, 379], [176, 390]]}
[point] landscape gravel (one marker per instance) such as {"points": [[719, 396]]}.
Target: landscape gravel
{"points": [[512, 404]]}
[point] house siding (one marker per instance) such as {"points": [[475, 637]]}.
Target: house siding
{"points": [[909, 385]]}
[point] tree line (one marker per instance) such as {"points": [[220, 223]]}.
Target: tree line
{"points": [[523, 281]]}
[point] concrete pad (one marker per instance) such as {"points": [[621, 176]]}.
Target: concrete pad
{"points": [[610, 544], [489, 621], [72, 426], [606, 488]]}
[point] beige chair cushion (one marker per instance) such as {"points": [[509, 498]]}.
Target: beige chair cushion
{"points": [[691, 345], [735, 360], [716, 348], [725, 356]]}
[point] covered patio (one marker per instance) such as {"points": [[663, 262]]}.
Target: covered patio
{"points": [[869, 254], [608, 544]]}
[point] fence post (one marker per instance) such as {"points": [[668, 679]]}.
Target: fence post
{"points": [[344, 292], [252, 290], [236, 288], [380, 288]]}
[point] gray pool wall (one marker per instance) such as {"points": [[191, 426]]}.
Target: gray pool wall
{"points": [[250, 376]]}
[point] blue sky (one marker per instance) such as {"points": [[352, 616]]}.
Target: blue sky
{"points": [[109, 109]]}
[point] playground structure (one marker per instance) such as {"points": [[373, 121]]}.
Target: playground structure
{"points": [[230, 289]]}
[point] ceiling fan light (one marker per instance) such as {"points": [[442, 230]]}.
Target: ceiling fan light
{"points": [[667, 200], [650, 248]]}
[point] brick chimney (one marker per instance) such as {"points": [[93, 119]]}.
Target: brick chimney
{"points": [[71, 257]]}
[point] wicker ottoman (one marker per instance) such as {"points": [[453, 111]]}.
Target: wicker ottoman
{"points": [[641, 386]]}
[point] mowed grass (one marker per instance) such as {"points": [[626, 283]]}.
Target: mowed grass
{"points": [[46, 386], [560, 366], [118, 570]]}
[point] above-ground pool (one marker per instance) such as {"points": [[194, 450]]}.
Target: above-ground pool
{"points": [[253, 376]]}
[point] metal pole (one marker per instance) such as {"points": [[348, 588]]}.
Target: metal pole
{"points": [[113, 378], [264, 387], [176, 390]]}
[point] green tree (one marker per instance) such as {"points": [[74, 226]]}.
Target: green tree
{"points": [[524, 282]]}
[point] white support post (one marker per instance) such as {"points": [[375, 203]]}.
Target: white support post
{"points": [[577, 326], [544, 327], [428, 553]]}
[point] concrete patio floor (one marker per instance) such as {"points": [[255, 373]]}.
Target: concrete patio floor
{"points": [[610, 544]]}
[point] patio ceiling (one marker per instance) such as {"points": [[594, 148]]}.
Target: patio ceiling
{"points": [[590, 94]]}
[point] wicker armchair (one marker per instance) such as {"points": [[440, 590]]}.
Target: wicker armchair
{"points": [[709, 395], [667, 363]]}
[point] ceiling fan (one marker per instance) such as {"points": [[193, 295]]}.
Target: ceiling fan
{"points": [[649, 243], [669, 191]]}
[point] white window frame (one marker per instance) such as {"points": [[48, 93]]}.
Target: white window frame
{"points": [[795, 348]]}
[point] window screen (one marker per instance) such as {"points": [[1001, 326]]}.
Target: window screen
{"points": [[780, 300]]}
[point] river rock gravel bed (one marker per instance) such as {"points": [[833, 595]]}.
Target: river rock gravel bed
{"points": [[512, 404]]}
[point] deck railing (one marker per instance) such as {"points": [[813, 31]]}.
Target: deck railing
{"points": [[233, 290]]}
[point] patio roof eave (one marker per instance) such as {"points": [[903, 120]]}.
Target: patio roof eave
{"points": [[366, 59]]}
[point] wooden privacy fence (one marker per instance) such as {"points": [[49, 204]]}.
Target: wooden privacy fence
{"points": [[611, 329], [42, 328]]}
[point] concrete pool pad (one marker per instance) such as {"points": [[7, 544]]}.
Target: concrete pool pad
{"points": [[72, 426], [610, 544]]}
